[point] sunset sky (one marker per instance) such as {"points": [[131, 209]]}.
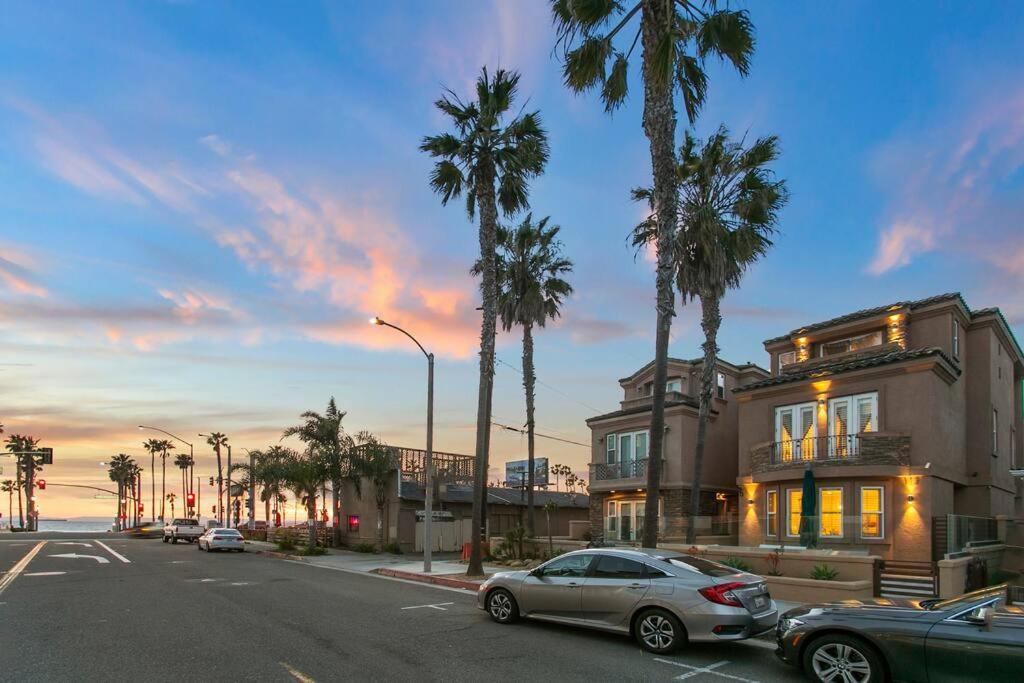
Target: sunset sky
{"points": [[201, 204]]}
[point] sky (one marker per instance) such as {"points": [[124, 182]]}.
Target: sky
{"points": [[201, 205]]}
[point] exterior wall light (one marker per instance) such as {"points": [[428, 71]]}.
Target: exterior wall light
{"points": [[910, 499], [750, 501]]}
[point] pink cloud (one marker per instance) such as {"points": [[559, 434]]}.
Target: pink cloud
{"points": [[898, 244], [16, 272]]}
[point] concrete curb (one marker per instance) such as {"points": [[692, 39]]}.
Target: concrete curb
{"points": [[283, 556], [465, 584]]}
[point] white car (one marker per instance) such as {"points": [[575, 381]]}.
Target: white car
{"points": [[222, 539]]}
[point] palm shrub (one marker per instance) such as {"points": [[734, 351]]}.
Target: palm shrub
{"points": [[823, 572], [489, 155], [736, 563], [597, 39]]}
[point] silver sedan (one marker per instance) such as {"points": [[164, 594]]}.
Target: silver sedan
{"points": [[664, 599], [222, 539]]}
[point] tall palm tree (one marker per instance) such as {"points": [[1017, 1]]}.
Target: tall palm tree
{"points": [[153, 447], [729, 202], [9, 487], [216, 439], [183, 461], [26, 466], [165, 445], [120, 469], [269, 474], [327, 436], [676, 37], [530, 291], [491, 157], [303, 473], [376, 462]]}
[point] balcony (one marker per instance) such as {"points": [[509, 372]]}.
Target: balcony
{"points": [[867, 448], [631, 469]]}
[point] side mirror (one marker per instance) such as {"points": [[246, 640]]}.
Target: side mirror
{"points": [[538, 572], [981, 617]]}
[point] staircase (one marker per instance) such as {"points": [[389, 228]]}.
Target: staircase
{"points": [[910, 580]]}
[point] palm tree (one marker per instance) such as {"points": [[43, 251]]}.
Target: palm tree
{"points": [[183, 461], [729, 203], [9, 487], [216, 439], [491, 159], [676, 37], [170, 499], [530, 291], [153, 447], [269, 468], [165, 446], [26, 466], [374, 461], [327, 436], [120, 469], [303, 473]]}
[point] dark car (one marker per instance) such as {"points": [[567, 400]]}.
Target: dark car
{"points": [[147, 530], [975, 637]]}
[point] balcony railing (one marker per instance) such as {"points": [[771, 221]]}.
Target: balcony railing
{"points": [[816, 448], [630, 469]]}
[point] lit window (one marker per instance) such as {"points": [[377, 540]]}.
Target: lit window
{"points": [[721, 385], [848, 417], [795, 498], [872, 512], [831, 503], [795, 429], [786, 358], [771, 512], [611, 520], [353, 524], [611, 455], [857, 343], [956, 338]]}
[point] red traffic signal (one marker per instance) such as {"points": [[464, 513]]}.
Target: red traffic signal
{"points": [[41, 483], [191, 499], [141, 507]]}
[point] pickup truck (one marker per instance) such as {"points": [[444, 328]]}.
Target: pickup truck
{"points": [[183, 529]]}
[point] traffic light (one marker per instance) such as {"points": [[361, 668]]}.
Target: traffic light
{"points": [[191, 500], [141, 507], [211, 481], [41, 483]]}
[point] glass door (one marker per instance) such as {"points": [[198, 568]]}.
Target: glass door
{"points": [[626, 456], [626, 521]]}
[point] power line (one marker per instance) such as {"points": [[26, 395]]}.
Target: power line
{"points": [[548, 386], [543, 436]]}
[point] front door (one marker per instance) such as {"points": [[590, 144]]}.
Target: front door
{"points": [[613, 589], [555, 590], [626, 521]]}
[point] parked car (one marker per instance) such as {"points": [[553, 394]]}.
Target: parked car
{"points": [[974, 637], [222, 539], [663, 599], [183, 529]]}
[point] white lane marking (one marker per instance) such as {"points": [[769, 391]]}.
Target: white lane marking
{"points": [[113, 552], [296, 674], [710, 669], [87, 545], [202, 580], [11, 575], [43, 573], [76, 556], [180, 562], [438, 605], [240, 583]]}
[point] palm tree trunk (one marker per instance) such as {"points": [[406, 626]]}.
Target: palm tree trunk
{"points": [[18, 482], [311, 511], [220, 489], [528, 384], [711, 320], [660, 127], [489, 289], [163, 484], [152, 486]]}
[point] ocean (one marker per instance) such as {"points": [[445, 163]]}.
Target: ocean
{"points": [[75, 525]]}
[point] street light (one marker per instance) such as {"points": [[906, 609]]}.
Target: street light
{"points": [[191, 454], [428, 496]]}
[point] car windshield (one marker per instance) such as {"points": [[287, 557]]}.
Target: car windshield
{"points": [[233, 534], [185, 522], [699, 565], [963, 600]]}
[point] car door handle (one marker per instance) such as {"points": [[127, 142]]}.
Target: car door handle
{"points": [[573, 584], [634, 586]]}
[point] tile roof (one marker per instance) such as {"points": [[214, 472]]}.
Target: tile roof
{"points": [[646, 408], [869, 313], [849, 365], [694, 361]]}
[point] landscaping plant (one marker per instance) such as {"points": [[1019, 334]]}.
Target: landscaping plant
{"points": [[823, 572]]}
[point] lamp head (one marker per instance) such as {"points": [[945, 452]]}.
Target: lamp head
{"points": [[376, 321]]}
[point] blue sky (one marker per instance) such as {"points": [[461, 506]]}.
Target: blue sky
{"points": [[201, 204]]}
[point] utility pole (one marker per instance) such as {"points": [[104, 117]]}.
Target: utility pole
{"points": [[228, 516], [252, 492]]}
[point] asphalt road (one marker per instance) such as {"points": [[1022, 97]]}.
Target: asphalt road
{"points": [[142, 610]]}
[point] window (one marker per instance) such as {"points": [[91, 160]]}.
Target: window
{"points": [[794, 499], [699, 565], [956, 338], [571, 565], [612, 567], [830, 503], [857, 343], [611, 453], [611, 521], [786, 358], [995, 432], [848, 417], [872, 512], [652, 573], [721, 385], [674, 385], [795, 429], [632, 448], [771, 512]]}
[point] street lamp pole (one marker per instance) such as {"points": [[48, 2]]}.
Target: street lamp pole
{"points": [[252, 490], [191, 454], [428, 495]]}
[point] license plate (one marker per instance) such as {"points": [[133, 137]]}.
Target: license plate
{"points": [[760, 601]]}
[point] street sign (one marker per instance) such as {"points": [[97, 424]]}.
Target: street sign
{"points": [[516, 472]]}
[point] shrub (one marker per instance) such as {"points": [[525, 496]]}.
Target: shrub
{"points": [[365, 548], [394, 548], [823, 572], [285, 541], [736, 563], [315, 550]]}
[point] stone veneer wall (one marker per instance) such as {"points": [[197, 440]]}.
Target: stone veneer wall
{"points": [[875, 449]]}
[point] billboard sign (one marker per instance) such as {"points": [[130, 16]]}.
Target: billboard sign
{"points": [[516, 472]]}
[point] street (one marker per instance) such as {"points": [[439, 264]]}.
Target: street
{"points": [[101, 607]]}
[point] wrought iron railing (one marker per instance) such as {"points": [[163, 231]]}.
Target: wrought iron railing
{"points": [[816, 448], [629, 469], [450, 468]]}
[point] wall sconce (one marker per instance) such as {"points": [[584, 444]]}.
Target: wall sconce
{"points": [[750, 501], [910, 499]]}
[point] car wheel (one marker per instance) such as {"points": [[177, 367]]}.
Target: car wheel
{"points": [[845, 658], [174, 540], [659, 631], [199, 547], [165, 539], [502, 606]]}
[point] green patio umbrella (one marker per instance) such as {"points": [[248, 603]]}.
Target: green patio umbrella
{"points": [[808, 512]]}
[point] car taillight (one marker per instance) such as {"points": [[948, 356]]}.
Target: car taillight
{"points": [[723, 594]]}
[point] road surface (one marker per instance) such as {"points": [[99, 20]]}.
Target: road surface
{"points": [[104, 608]]}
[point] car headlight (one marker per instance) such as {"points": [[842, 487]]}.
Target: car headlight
{"points": [[790, 623]]}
